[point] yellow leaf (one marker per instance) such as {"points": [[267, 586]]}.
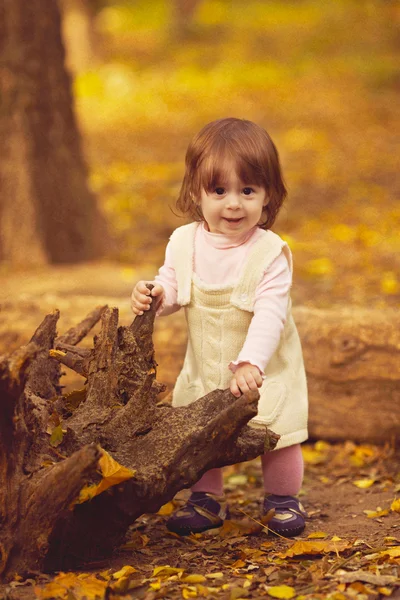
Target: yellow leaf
{"points": [[166, 571], [315, 547], [155, 586], [385, 591], [364, 483], [373, 514], [238, 564], [217, 575], [56, 437], [66, 585], [282, 591], [87, 493], [393, 552], [55, 353], [317, 535], [324, 479], [167, 509], [189, 592], [127, 570], [194, 579], [113, 474], [313, 456], [395, 506]]}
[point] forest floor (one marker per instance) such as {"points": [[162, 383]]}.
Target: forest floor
{"points": [[351, 546]]}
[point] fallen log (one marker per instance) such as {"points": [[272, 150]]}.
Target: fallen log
{"points": [[352, 358], [51, 446]]}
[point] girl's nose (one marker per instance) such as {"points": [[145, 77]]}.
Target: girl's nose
{"points": [[234, 201]]}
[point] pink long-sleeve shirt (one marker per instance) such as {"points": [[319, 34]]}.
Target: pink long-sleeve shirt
{"points": [[217, 261]]}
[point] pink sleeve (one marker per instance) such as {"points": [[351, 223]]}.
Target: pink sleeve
{"points": [[270, 309], [167, 278]]}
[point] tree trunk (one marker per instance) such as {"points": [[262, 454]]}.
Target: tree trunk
{"points": [[182, 17], [165, 449], [79, 34], [352, 359], [47, 213]]}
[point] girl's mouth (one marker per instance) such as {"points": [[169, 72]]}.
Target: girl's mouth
{"points": [[233, 220]]}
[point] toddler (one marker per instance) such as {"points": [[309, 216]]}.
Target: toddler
{"points": [[233, 276]]}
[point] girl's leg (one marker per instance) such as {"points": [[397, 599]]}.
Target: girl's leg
{"points": [[283, 476], [211, 482], [283, 471], [204, 509]]}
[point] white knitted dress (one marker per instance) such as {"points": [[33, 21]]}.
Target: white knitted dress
{"points": [[218, 320]]}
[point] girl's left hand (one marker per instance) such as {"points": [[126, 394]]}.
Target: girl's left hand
{"points": [[247, 377]]}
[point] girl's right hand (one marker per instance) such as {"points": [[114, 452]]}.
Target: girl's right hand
{"points": [[141, 297]]}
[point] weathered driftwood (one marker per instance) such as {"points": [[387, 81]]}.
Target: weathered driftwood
{"points": [[169, 449], [352, 359]]}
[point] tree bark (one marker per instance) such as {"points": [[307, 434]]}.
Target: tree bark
{"points": [[79, 34], [168, 449], [352, 358], [47, 212]]}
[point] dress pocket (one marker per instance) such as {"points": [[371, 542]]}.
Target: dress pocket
{"points": [[273, 395]]}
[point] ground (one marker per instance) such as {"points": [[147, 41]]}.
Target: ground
{"points": [[348, 490]]}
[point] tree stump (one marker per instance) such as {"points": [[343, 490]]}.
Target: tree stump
{"points": [[50, 445]]}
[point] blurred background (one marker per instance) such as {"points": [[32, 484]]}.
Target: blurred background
{"points": [[321, 77]]}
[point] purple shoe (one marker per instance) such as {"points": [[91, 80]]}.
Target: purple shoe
{"points": [[201, 512], [289, 518]]}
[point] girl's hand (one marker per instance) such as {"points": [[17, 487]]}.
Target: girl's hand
{"points": [[247, 377], [141, 297]]}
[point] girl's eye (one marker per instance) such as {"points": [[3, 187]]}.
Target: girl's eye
{"points": [[219, 191], [247, 191]]}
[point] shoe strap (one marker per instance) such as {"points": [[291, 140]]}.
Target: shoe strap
{"points": [[212, 517]]}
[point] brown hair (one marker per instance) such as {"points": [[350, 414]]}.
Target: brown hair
{"points": [[253, 153]]}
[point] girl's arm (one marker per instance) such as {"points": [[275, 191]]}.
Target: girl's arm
{"points": [[164, 292], [270, 309], [167, 279]]}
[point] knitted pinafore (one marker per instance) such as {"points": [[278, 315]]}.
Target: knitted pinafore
{"points": [[218, 320]]}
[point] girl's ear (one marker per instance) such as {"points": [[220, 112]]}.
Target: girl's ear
{"points": [[266, 200]]}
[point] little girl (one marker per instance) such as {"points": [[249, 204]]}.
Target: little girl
{"points": [[233, 277]]}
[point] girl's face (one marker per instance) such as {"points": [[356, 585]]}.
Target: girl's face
{"points": [[233, 206]]}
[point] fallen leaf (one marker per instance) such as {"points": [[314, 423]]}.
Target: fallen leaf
{"points": [[189, 592], [237, 593], [167, 509], [281, 591], [385, 591], [317, 535], [127, 570], [194, 578], [364, 483], [360, 575], [56, 437], [113, 473], [316, 547], [67, 585], [393, 552], [373, 514], [166, 571], [395, 506]]}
